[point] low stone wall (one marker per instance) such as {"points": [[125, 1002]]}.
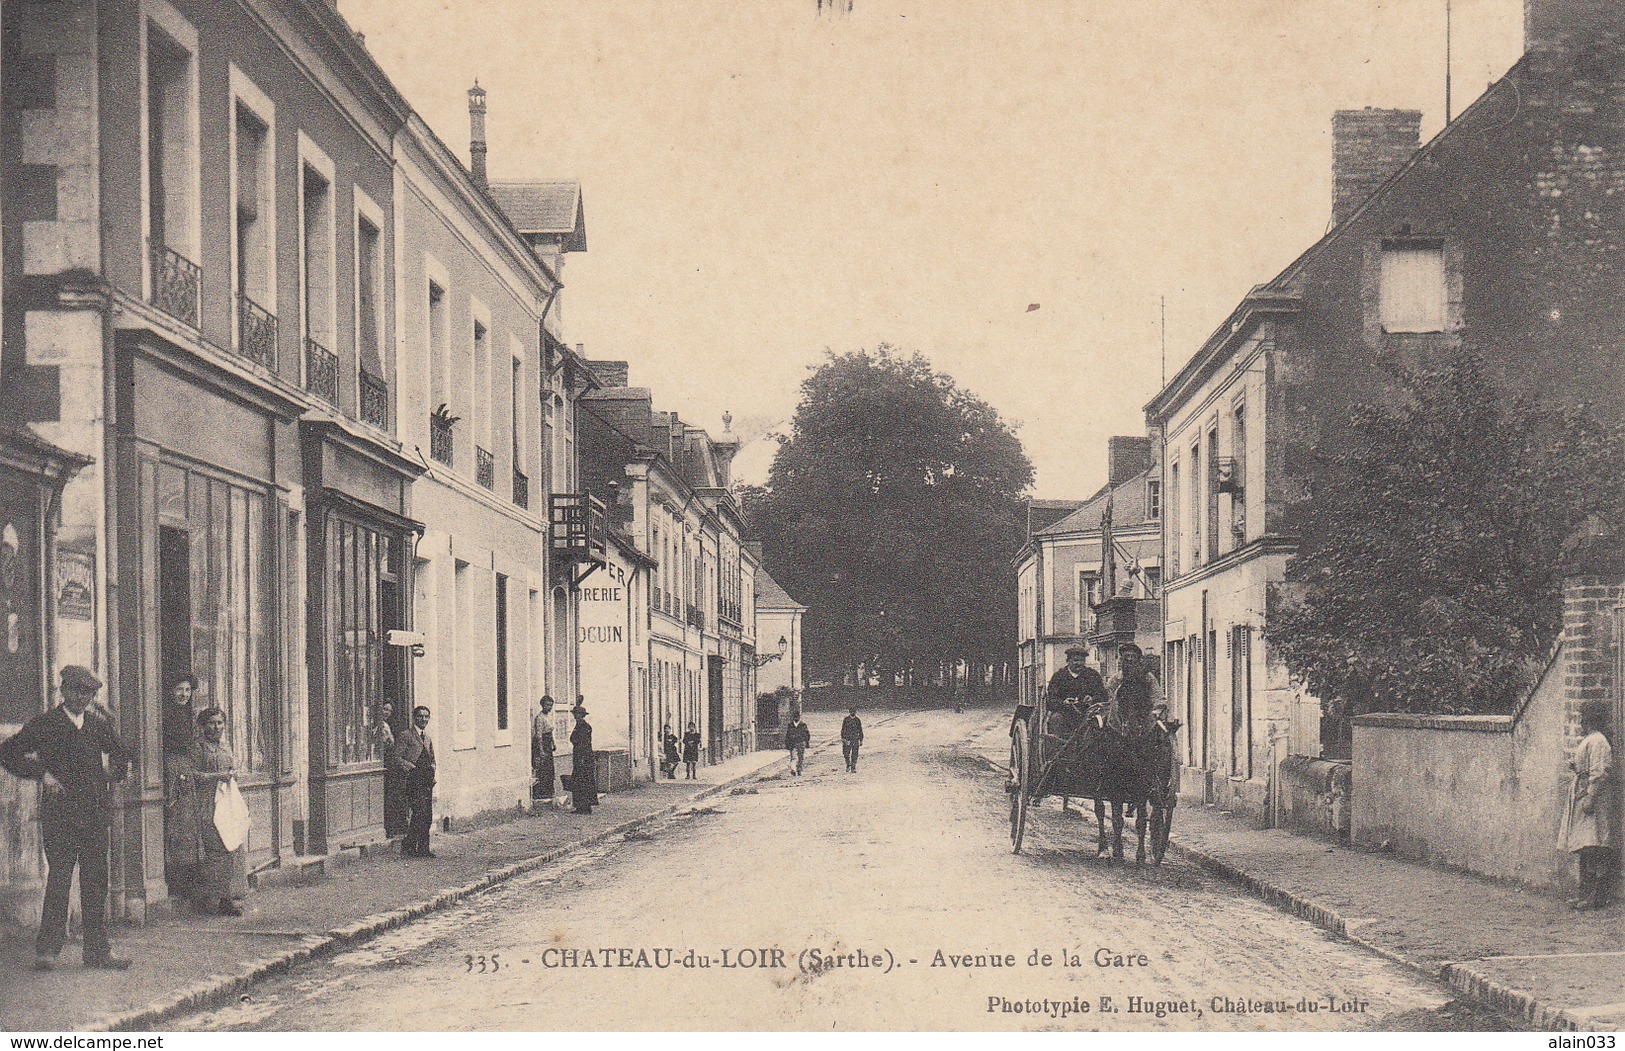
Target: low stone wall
{"points": [[1480, 793], [1315, 796]]}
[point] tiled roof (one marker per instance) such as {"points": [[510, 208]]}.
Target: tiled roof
{"points": [[544, 206], [1128, 509], [770, 596]]}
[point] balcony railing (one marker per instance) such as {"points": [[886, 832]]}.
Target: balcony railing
{"points": [[374, 401], [521, 488], [441, 444], [485, 468], [176, 284], [696, 617], [580, 530], [256, 333], [321, 372]]}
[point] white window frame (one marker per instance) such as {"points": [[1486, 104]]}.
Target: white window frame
{"points": [[367, 209], [436, 275], [1390, 252], [246, 95], [1153, 507], [479, 315], [313, 156], [519, 424], [182, 32]]}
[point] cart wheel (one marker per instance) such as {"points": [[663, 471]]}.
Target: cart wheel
{"points": [[1021, 778]]}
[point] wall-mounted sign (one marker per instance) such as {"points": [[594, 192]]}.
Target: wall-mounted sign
{"points": [[75, 585]]}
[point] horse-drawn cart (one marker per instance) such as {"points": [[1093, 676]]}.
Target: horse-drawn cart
{"points": [[1091, 755]]}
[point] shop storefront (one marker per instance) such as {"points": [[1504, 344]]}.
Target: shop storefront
{"points": [[359, 590], [32, 474]]}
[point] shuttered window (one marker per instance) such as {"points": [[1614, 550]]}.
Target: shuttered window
{"points": [[1413, 293]]}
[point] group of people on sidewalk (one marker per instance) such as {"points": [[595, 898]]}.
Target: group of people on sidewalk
{"points": [[582, 781], [686, 752]]}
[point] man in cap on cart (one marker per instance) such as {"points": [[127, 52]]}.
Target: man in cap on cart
{"points": [[1071, 692]]}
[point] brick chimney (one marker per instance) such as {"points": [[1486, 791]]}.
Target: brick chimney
{"points": [[476, 134], [611, 373], [1368, 145], [1126, 457], [1549, 24]]}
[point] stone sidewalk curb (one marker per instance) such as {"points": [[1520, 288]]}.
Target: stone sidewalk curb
{"points": [[219, 989], [1469, 983], [1463, 979]]}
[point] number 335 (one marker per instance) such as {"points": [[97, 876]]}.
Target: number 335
{"points": [[482, 964]]}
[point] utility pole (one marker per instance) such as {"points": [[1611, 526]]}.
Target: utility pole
{"points": [[1447, 112]]}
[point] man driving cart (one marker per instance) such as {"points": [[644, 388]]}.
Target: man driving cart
{"points": [[1072, 691]]}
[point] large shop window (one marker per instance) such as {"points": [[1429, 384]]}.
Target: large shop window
{"points": [[22, 653], [216, 604], [365, 587]]}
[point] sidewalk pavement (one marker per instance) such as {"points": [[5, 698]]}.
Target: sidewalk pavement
{"points": [[187, 960], [1524, 954]]}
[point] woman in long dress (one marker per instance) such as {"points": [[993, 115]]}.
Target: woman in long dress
{"points": [[181, 851], [583, 763], [1590, 829], [222, 875]]}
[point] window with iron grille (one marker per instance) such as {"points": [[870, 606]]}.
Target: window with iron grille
{"points": [[485, 468]]}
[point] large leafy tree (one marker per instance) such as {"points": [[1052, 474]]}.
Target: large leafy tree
{"points": [[892, 511], [1428, 576]]}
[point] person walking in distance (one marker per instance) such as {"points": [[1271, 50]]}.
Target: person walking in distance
{"points": [[542, 748], [76, 755], [416, 751], [796, 739], [691, 752], [851, 739], [583, 763]]}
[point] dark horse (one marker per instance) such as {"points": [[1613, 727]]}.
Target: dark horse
{"points": [[1102, 762]]}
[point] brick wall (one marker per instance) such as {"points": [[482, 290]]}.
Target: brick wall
{"points": [[1368, 145]]}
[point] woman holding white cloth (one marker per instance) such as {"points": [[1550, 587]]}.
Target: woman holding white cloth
{"points": [[222, 874]]}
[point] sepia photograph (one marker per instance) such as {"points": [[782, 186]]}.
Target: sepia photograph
{"points": [[1021, 516]]}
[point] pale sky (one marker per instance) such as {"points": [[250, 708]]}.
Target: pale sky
{"points": [[762, 184]]}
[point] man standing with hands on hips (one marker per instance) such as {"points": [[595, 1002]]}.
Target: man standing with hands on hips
{"points": [[76, 755]]}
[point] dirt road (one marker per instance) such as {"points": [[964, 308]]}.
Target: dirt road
{"points": [[884, 899]]}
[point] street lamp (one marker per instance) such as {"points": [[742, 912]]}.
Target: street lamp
{"points": [[762, 659]]}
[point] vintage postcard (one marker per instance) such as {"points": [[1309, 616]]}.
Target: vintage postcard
{"points": [[811, 516]]}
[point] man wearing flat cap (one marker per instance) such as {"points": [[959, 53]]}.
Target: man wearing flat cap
{"points": [[1072, 690], [76, 755]]}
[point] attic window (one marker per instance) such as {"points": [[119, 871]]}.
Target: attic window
{"points": [[1412, 286]]}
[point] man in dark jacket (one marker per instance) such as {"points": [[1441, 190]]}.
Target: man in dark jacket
{"points": [[796, 740], [75, 754], [851, 739], [415, 752], [1072, 690]]}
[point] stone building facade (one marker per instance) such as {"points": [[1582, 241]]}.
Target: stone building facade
{"points": [[1503, 232]]}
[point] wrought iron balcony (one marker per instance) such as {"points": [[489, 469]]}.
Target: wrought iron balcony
{"points": [[256, 333], [176, 285], [485, 468], [442, 445], [521, 488], [696, 617], [374, 401], [322, 372]]}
